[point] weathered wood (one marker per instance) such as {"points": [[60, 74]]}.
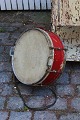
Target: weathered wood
{"points": [[2, 5], [13, 5], [43, 4], [19, 4], [25, 4], [48, 4], [8, 4]]}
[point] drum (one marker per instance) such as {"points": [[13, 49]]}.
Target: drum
{"points": [[38, 57]]}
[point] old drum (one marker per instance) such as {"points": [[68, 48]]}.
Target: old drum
{"points": [[38, 57]]}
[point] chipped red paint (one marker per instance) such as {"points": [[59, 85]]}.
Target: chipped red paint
{"points": [[58, 60]]}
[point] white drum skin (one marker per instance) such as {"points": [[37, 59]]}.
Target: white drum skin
{"points": [[30, 57]]}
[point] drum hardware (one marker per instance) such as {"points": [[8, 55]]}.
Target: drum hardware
{"points": [[50, 61], [11, 51], [51, 48], [53, 71]]}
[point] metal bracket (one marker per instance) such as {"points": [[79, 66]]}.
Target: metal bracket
{"points": [[50, 61], [53, 28], [11, 51], [53, 71]]}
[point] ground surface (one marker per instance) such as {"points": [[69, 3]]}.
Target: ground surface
{"points": [[67, 107]]}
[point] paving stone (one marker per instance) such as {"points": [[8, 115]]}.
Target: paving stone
{"points": [[20, 116], [6, 89], [74, 116], [5, 77], [61, 104], [65, 90], [76, 103], [5, 66], [78, 90], [3, 115], [44, 115], [6, 40], [7, 49], [1, 49], [26, 27], [2, 101], [8, 28], [15, 35], [16, 24], [40, 17], [36, 101], [10, 42], [75, 78], [1, 57], [3, 37], [4, 24], [4, 57], [0, 90], [64, 78], [42, 91], [26, 90], [15, 103]]}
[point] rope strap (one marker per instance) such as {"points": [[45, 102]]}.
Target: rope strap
{"points": [[25, 105]]}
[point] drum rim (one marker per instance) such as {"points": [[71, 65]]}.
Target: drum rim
{"points": [[46, 73]]}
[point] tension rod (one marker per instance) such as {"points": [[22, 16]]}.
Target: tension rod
{"points": [[55, 48]]}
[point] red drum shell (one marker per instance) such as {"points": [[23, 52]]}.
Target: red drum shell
{"points": [[59, 60]]}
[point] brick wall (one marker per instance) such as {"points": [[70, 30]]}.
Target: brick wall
{"points": [[12, 24]]}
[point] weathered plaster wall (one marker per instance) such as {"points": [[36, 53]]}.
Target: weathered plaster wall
{"points": [[66, 19], [66, 12]]}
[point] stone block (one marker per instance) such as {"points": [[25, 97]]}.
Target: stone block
{"points": [[2, 101], [5, 66], [76, 104], [15, 103], [75, 78], [3, 115], [44, 115], [61, 104], [5, 77], [72, 116], [63, 90], [20, 116]]}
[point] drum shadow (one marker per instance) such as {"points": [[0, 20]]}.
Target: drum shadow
{"points": [[36, 97]]}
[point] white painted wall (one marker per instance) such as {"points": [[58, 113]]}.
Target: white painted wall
{"points": [[25, 4]]}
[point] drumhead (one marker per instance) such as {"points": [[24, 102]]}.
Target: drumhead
{"points": [[31, 56]]}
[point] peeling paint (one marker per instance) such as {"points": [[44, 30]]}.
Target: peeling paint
{"points": [[66, 12], [70, 37], [61, 66], [66, 19]]}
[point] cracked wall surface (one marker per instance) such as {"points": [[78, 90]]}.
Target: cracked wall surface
{"points": [[66, 18]]}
